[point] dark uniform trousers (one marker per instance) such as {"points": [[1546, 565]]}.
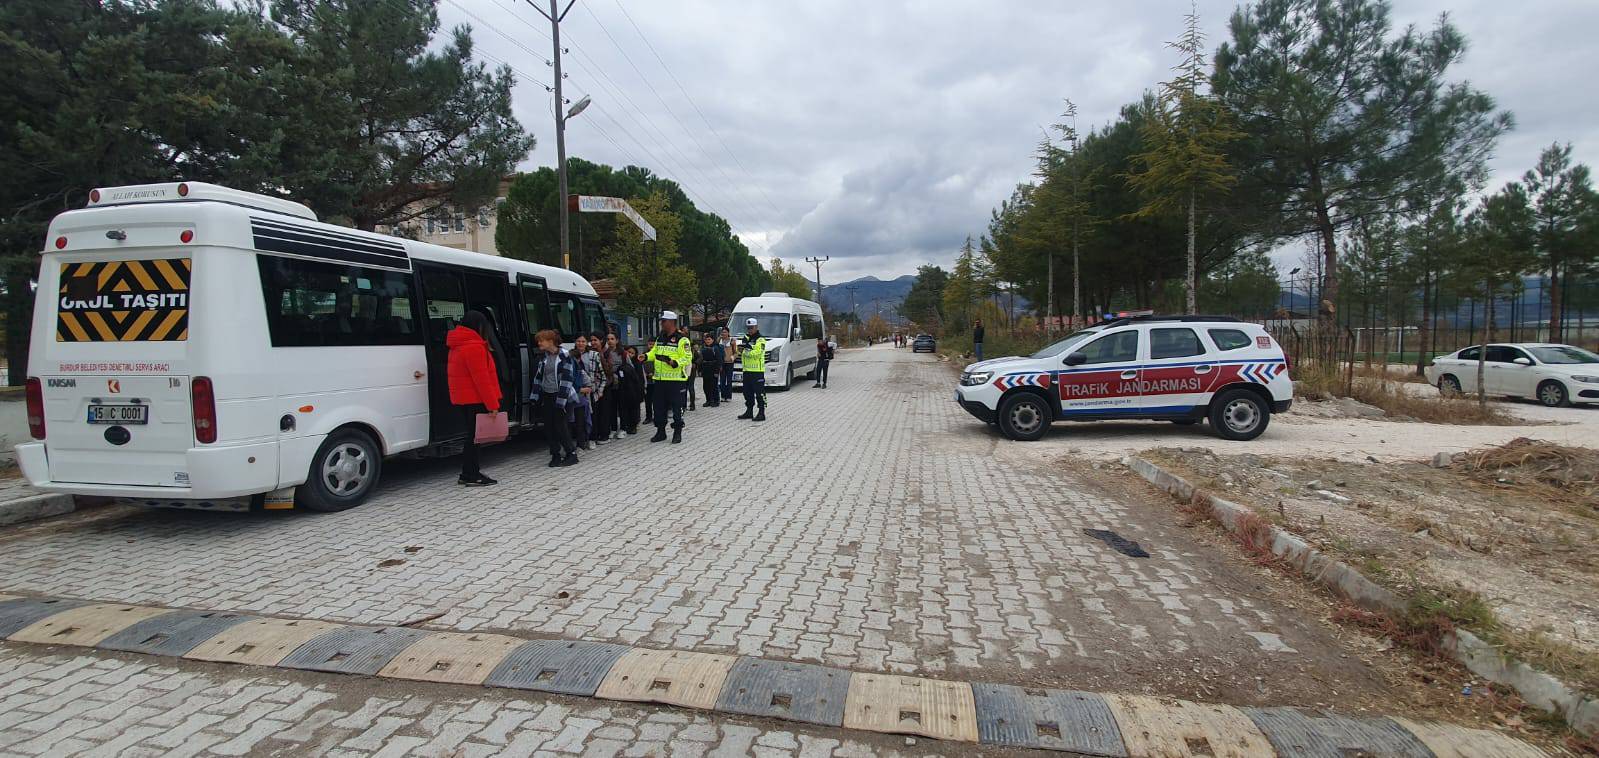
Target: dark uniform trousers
{"points": [[754, 391], [669, 397]]}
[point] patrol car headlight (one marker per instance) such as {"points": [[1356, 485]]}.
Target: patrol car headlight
{"points": [[976, 378], [1586, 379]]}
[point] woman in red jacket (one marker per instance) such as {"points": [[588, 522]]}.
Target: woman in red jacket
{"points": [[474, 386]]}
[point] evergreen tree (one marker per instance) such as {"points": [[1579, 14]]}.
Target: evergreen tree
{"points": [[1563, 201], [1186, 140], [1344, 118], [923, 305], [1500, 237]]}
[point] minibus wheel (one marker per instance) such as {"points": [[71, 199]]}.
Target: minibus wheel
{"points": [[343, 473]]}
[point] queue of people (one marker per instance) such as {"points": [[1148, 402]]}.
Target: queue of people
{"points": [[592, 394]]}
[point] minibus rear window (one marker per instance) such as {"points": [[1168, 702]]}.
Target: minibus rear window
{"points": [[316, 304]]}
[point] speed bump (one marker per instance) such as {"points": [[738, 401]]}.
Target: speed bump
{"points": [[564, 666], [1079, 722], [85, 625], [779, 689], [692, 680], [451, 657], [1322, 735], [259, 642], [1449, 741], [1180, 729], [172, 633], [911, 705], [352, 649], [18, 613]]}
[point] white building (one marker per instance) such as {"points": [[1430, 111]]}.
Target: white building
{"points": [[460, 228]]}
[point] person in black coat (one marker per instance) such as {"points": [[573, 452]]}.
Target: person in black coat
{"points": [[708, 362]]}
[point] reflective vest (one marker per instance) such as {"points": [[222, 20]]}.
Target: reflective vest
{"points": [[679, 352], [755, 356]]}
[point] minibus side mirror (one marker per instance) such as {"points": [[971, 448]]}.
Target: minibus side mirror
{"points": [[1076, 359]]}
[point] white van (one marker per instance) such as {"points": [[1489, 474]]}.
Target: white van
{"points": [[197, 346], [791, 327]]}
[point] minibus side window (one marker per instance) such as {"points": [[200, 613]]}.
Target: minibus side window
{"points": [[317, 304], [567, 318], [593, 317], [536, 307]]}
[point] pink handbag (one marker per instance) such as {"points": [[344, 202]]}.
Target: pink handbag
{"points": [[492, 427]]}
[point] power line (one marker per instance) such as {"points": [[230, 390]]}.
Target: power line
{"points": [[664, 166], [645, 79], [696, 107]]}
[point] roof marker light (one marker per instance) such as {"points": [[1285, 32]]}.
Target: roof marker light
{"points": [[183, 189], [94, 196], [187, 236], [61, 243]]}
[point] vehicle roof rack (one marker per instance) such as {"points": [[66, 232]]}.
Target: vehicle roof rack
{"points": [[1177, 317]]}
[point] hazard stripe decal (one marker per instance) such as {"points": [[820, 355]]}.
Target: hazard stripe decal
{"points": [[124, 301]]}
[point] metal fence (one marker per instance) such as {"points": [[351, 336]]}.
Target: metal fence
{"points": [[1392, 324]]}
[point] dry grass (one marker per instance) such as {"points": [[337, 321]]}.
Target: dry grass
{"points": [[1397, 401], [1389, 373], [1552, 472]]}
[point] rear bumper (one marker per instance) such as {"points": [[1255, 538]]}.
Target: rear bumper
{"points": [[214, 473]]}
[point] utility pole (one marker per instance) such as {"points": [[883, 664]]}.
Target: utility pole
{"points": [[819, 262], [561, 115], [855, 314]]}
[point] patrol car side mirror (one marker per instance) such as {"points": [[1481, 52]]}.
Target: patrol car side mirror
{"points": [[1076, 359]]}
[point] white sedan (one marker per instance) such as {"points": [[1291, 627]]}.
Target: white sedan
{"points": [[1555, 375]]}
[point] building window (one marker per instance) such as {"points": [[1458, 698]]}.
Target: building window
{"points": [[483, 217], [430, 225], [460, 221]]}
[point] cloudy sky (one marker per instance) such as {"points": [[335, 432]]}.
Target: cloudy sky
{"points": [[882, 133]]}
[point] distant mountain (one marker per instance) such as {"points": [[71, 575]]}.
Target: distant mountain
{"points": [[871, 295]]}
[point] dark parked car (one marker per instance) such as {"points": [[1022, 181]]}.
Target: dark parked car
{"points": [[924, 343]]}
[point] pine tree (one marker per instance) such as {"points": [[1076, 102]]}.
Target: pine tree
{"points": [[1186, 139], [1499, 249], [1561, 196]]}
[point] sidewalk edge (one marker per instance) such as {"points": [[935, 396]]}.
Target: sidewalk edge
{"points": [[1579, 709]]}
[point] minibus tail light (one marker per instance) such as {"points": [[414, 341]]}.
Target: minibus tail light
{"points": [[205, 410], [35, 408]]}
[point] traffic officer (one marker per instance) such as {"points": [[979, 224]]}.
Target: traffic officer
{"points": [[671, 358], [753, 351]]}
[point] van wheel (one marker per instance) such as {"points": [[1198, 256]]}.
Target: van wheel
{"points": [[1239, 414], [788, 381], [1024, 417], [343, 473]]}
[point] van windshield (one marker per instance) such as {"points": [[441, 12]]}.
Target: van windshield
{"points": [[1063, 345], [772, 324]]}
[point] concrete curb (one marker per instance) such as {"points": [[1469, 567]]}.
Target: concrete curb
{"points": [[1084, 723], [35, 507], [1579, 709]]}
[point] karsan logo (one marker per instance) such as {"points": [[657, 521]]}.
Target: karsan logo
{"points": [[61, 383], [113, 386], [137, 194]]}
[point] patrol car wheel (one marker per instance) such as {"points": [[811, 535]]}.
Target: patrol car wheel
{"points": [[343, 473], [1024, 417], [1239, 414]]}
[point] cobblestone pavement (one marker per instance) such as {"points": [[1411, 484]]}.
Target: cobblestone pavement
{"points": [[867, 526], [64, 702]]}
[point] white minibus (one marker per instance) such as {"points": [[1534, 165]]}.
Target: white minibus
{"points": [[791, 327], [197, 346]]}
